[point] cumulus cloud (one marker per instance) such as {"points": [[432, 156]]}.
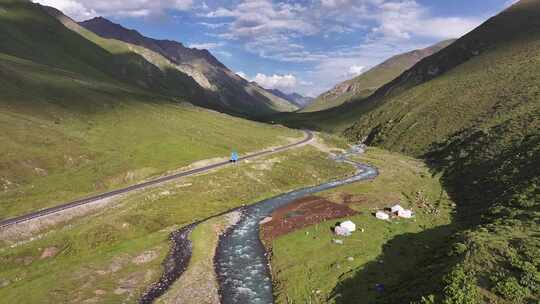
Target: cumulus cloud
{"points": [[408, 19], [286, 83], [273, 29], [84, 9], [267, 28], [281, 82]]}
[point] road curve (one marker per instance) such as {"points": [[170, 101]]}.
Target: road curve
{"points": [[34, 215]]}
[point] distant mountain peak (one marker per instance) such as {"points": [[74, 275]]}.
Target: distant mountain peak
{"points": [[295, 98]]}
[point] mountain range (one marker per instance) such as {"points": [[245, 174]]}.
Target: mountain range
{"points": [[365, 84], [226, 89]]}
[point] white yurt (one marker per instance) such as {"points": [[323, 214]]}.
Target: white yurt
{"points": [[348, 225], [405, 213], [396, 208], [382, 215]]}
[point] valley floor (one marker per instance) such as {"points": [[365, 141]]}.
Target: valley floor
{"points": [[308, 266], [115, 254]]}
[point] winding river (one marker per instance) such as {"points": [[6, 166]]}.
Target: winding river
{"points": [[241, 263]]}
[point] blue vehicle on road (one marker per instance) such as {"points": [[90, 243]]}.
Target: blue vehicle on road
{"points": [[234, 157]]}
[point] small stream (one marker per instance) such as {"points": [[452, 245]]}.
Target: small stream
{"points": [[241, 263]]}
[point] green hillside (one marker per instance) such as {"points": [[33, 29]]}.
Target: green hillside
{"points": [[474, 110], [75, 119], [27, 27], [365, 84], [482, 80]]}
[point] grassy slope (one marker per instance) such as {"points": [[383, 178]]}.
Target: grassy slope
{"points": [[364, 85], [27, 27], [308, 266], [90, 136], [70, 129], [474, 110], [108, 241]]}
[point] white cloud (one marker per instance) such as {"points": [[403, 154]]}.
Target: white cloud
{"points": [[407, 19], [243, 75], [267, 28], [286, 83], [206, 46], [85, 9], [281, 82], [220, 12], [275, 30], [213, 25], [355, 70], [72, 8]]}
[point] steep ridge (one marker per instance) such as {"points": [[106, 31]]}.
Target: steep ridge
{"points": [[231, 91], [365, 84], [473, 109]]}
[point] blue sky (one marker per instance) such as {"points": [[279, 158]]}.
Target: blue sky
{"points": [[307, 46]]}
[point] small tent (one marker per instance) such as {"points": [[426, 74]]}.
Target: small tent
{"points": [[382, 215], [405, 213], [396, 209], [342, 231], [348, 225]]}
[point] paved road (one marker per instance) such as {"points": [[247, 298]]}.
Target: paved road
{"points": [[34, 215]]}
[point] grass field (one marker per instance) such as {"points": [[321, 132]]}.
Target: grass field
{"points": [[309, 268], [95, 258], [66, 135]]}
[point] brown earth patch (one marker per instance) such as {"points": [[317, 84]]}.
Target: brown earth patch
{"points": [[300, 214]]}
